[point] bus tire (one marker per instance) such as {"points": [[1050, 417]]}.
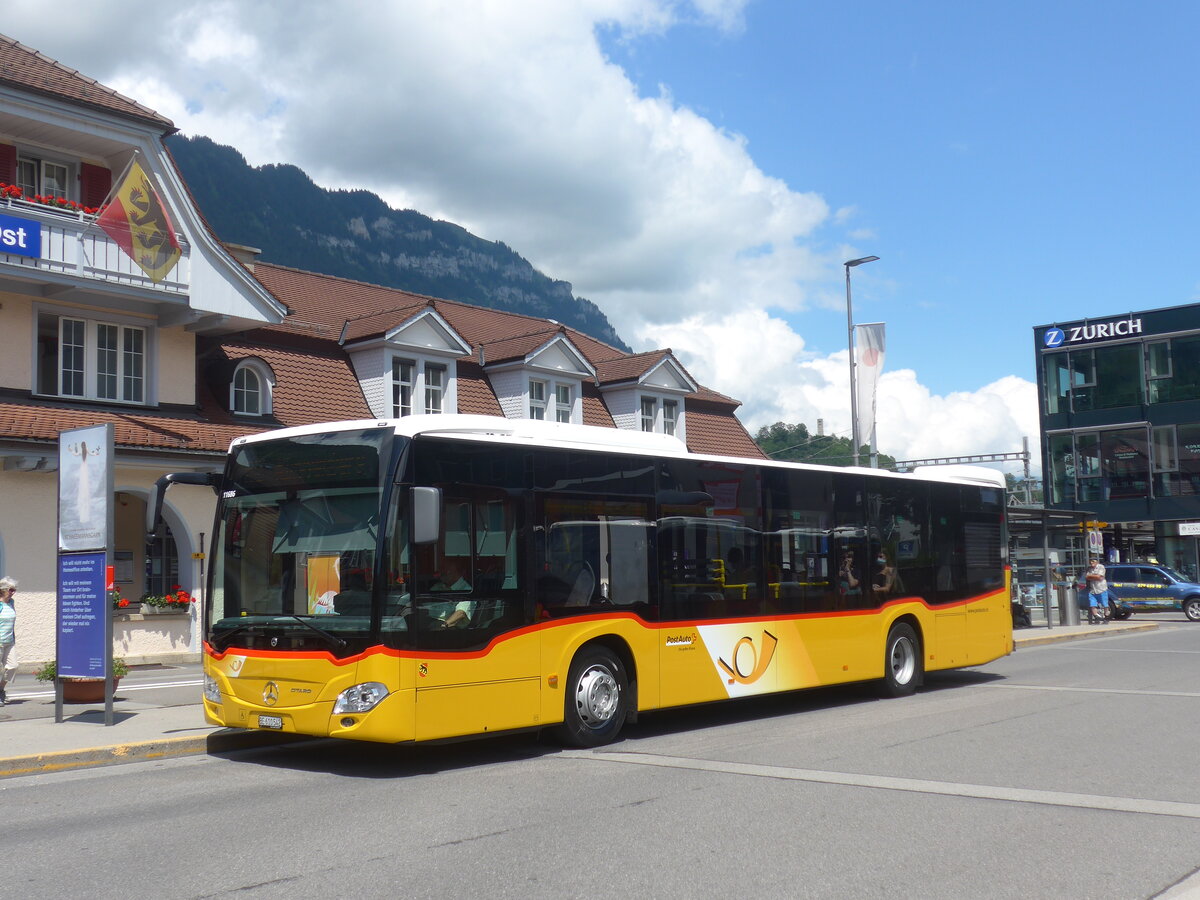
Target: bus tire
{"points": [[902, 668], [1191, 608], [596, 699]]}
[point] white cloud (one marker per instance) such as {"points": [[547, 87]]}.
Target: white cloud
{"points": [[761, 361], [508, 119]]}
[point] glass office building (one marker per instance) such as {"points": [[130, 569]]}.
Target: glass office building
{"points": [[1119, 399]]}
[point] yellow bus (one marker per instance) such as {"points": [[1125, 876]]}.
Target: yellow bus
{"points": [[438, 576]]}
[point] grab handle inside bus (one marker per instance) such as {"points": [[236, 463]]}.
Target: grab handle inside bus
{"points": [[426, 514]]}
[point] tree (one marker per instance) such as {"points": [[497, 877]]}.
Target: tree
{"points": [[794, 443]]}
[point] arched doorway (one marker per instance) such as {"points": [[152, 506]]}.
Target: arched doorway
{"points": [[139, 568]]}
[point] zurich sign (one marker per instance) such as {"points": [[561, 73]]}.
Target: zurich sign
{"points": [[1053, 337]]}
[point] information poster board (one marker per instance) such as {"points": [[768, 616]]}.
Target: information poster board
{"points": [[85, 528], [84, 629]]}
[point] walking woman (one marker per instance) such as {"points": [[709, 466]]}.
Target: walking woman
{"points": [[8, 619]]}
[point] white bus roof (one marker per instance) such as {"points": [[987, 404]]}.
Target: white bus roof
{"points": [[592, 437]]}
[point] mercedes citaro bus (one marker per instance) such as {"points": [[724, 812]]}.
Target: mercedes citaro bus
{"points": [[437, 576]]}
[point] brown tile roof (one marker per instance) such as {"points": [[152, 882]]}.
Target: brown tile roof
{"points": [[712, 428], [380, 323], [27, 69], [629, 368], [144, 430], [514, 348], [312, 383]]}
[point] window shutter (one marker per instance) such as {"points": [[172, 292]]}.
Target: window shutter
{"points": [[94, 184], [8, 163]]}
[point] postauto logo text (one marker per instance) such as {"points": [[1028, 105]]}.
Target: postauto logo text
{"points": [[1095, 331]]}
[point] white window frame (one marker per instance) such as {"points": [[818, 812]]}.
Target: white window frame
{"points": [[426, 395], [564, 409], [648, 405], [130, 367], [266, 388], [435, 388], [403, 385], [545, 402], [670, 423], [40, 163], [537, 399]]}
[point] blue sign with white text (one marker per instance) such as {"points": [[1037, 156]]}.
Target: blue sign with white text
{"points": [[20, 237], [83, 615]]}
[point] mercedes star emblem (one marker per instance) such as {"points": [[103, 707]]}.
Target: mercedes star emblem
{"points": [[271, 693]]}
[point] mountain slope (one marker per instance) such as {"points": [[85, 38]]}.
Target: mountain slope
{"points": [[354, 234]]}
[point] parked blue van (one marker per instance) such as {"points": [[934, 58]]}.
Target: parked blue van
{"points": [[1147, 586]]}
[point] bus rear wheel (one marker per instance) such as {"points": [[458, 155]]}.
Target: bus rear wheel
{"points": [[902, 668], [596, 699], [1191, 608]]}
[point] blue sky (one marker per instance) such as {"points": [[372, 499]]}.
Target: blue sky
{"points": [[1012, 164], [701, 168]]}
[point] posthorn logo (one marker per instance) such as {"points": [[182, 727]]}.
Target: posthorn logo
{"points": [[1053, 337]]}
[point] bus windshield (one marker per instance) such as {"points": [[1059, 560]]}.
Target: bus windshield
{"points": [[294, 555]]}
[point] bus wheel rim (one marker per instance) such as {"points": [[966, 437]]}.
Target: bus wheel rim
{"points": [[904, 660], [597, 696]]}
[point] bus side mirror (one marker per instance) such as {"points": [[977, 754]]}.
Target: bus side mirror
{"points": [[155, 501], [426, 515]]}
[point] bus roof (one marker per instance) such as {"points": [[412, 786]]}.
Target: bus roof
{"points": [[592, 437]]}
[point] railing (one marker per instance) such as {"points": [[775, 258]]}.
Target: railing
{"points": [[73, 244]]}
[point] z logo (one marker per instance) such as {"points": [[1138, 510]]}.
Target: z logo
{"points": [[758, 661]]}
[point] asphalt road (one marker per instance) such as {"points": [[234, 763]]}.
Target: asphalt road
{"points": [[1063, 771]]}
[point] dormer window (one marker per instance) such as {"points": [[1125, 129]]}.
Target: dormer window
{"points": [[416, 377], [251, 389], [552, 399]]}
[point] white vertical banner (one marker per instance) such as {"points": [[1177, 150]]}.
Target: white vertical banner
{"points": [[868, 345]]}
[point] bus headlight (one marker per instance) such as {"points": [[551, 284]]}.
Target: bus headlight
{"points": [[361, 698], [212, 690]]}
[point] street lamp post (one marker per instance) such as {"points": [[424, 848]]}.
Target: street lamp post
{"points": [[854, 439]]}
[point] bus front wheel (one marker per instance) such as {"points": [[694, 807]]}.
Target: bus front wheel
{"points": [[901, 661], [596, 699]]}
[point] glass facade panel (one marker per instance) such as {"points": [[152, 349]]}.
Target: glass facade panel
{"points": [[1058, 383], [1061, 451], [1126, 463], [1087, 455], [1181, 367]]}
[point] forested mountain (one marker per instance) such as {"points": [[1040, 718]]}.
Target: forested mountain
{"points": [[354, 234]]}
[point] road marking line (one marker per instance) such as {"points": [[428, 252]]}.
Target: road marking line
{"points": [[912, 785], [1084, 690], [36, 695]]}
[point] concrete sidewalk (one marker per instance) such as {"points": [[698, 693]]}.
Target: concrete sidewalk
{"points": [[31, 742]]}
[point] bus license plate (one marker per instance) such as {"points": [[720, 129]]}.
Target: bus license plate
{"points": [[275, 722]]}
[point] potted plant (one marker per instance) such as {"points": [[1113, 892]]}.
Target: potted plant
{"points": [[82, 690], [177, 601]]}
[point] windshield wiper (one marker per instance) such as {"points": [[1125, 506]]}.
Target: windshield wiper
{"points": [[333, 637]]}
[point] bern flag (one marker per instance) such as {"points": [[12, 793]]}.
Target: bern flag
{"points": [[137, 220]]}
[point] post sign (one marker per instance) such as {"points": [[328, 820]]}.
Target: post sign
{"points": [[84, 621], [20, 237]]}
